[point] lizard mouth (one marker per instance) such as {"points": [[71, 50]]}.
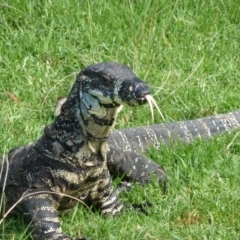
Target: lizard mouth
{"points": [[149, 98], [142, 91], [141, 100]]}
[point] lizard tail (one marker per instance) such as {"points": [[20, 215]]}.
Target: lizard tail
{"points": [[140, 138]]}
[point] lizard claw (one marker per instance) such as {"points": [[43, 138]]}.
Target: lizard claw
{"points": [[123, 187], [141, 207], [82, 238]]}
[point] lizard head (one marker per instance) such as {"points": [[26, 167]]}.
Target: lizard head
{"points": [[98, 95], [107, 85], [113, 84]]}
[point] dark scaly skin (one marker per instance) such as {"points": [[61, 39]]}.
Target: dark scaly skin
{"points": [[71, 156], [140, 138]]}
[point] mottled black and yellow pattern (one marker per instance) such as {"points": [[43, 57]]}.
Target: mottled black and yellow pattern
{"points": [[70, 158]]}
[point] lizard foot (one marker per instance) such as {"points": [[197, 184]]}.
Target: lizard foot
{"points": [[123, 187], [141, 207], [82, 238]]}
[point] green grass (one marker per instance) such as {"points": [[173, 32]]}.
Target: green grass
{"points": [[188, 53]]}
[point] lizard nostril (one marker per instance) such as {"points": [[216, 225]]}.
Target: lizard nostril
{"points": [[142, 90], [131, 88]]}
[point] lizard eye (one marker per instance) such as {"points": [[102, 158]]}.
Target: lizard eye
{"points": [[106, 81]]}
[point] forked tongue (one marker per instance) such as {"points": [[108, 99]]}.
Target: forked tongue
{"points": [[152, 103]]}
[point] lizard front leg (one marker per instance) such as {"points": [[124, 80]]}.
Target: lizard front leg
{"points": [[136, 167], [41, 213], [106, 198]]}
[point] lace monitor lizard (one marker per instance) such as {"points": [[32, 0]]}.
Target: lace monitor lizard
{"points": [[70, 158], [78, 152]]}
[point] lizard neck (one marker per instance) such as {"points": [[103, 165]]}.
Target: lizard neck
{"points": [[96, 119], [83, 119]]}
